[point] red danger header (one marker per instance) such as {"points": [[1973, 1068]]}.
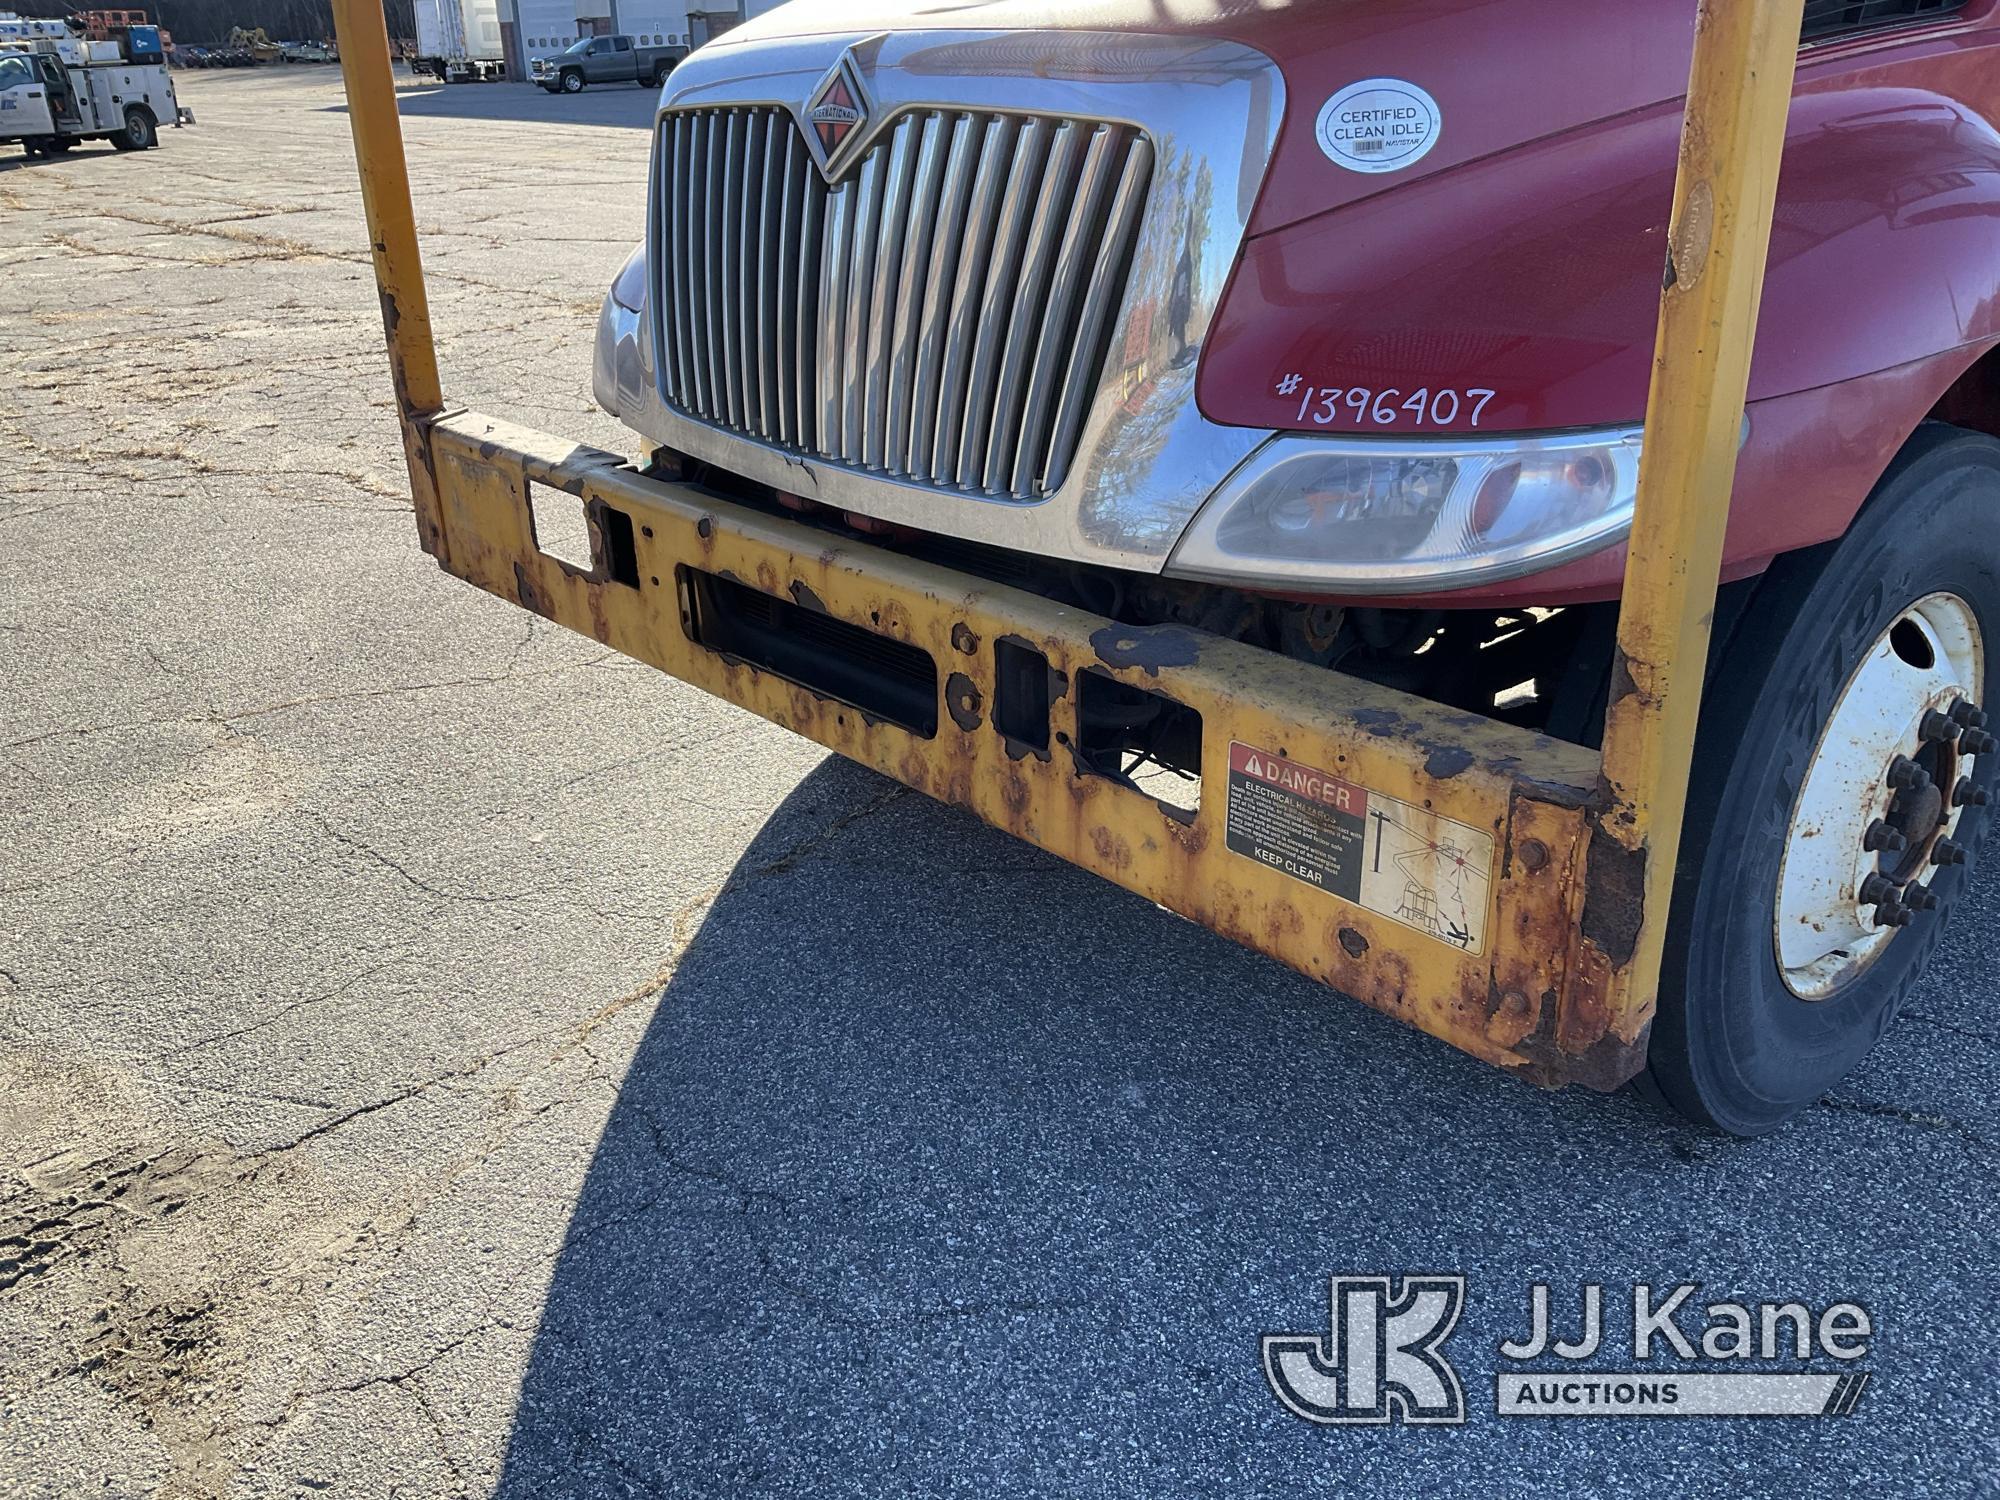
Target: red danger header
{"points": [[1300, 781]]}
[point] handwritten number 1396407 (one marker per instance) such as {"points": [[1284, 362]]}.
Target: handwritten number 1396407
{"points": [[1423, 407]]}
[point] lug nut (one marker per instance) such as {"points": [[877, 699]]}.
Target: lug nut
{"points": [[1976, 741], [1881, 837], [1936, 727], [1894, 914], [1905, 775], [1920, 897], [1945, 852], [1965, 794], [1967, 715], [1877, 890]]}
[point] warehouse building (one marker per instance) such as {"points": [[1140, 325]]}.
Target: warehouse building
{"points": [[542, 28]]}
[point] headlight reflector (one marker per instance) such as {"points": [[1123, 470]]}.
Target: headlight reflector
{"points": [[1394, 516]]}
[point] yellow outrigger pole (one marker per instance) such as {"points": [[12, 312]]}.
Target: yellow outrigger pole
{"points": [[1718, 240], [1562, 984], [361, 31]]}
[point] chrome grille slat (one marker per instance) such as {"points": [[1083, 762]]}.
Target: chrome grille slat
{"points": [[975, 254], [860, 283], [1107, 284], [694, 390], [1095, 182], [727, 214], [954, 211], [929, 181], [750, 295], [812, 222], [785, 300], [836, 260], [941, 314], [1053, 207], [769, 241], [667, 229], [711, 264], [678, 232], [1024, 178], [889, 238]]}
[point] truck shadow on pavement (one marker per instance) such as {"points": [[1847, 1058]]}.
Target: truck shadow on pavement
{"points": [[619, 105], [12, 158], [945, 1167]]}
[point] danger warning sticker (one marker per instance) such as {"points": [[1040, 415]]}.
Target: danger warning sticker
{"points": [[1399, 861]]}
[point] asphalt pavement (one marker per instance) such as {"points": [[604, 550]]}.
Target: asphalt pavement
{"points": [[440, 1057]]}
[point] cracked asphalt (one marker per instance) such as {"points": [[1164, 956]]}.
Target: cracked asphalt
{"points": [[438, 1057]]}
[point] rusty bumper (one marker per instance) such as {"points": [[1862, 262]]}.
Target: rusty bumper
{"points": [[1444, 868]]}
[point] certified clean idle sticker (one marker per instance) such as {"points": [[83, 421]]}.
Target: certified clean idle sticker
{"points": [[1398, 861], [1379, 125]]}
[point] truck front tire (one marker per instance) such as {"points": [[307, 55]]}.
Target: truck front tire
{"points": [[572, 81], [139, 134], [1832, 667]]}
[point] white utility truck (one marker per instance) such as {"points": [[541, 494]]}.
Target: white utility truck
{"points": [[458, 41], [58, 90]]}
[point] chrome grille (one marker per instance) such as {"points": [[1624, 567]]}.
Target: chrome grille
{"points": [[940, 315]]}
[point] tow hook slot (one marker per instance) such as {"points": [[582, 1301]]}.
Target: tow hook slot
{"points": [[879, 676], [1023, 682]]}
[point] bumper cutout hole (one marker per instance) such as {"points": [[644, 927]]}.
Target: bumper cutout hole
{"points": [[562, 530], [1140, 739], [587, 537]]}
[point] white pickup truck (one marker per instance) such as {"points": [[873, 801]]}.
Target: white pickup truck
{"points": [[50, 101]]}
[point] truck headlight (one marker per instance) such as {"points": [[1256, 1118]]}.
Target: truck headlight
{"points": [[1412, 515], [629, 290]]}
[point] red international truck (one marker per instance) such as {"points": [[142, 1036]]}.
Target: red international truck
{"points": [[1215, 444]]}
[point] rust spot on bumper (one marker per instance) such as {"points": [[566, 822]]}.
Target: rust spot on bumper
{"points": [[1110, 847], [1622, 684], [529, 596], [1614, 897], [1606, 1065], [965, 703], [1512, 1019]]}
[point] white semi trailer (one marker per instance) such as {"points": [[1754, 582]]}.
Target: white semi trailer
{"points": [[458, 41], [56, 91]]}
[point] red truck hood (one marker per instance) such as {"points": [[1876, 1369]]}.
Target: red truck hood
{"points": [[1503, 72]]}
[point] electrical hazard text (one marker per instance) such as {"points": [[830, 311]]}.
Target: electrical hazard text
{"points": [[1402, 862]]}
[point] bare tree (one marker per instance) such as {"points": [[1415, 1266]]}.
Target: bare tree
{"points": [[208, 22]]}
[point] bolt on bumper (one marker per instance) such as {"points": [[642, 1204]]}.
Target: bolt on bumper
{"points": [[1449, 870]]}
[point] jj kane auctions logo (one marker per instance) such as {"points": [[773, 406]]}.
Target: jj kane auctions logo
{"points": [[1381, 1357]]}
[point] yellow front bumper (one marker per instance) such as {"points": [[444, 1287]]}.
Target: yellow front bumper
{"points": [[1435, 864]]}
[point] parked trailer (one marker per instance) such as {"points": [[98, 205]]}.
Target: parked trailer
{"points": [[1257, 392], [458, 41]]}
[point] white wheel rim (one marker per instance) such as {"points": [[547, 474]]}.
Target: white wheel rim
{"points": [[1931, 656]]}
